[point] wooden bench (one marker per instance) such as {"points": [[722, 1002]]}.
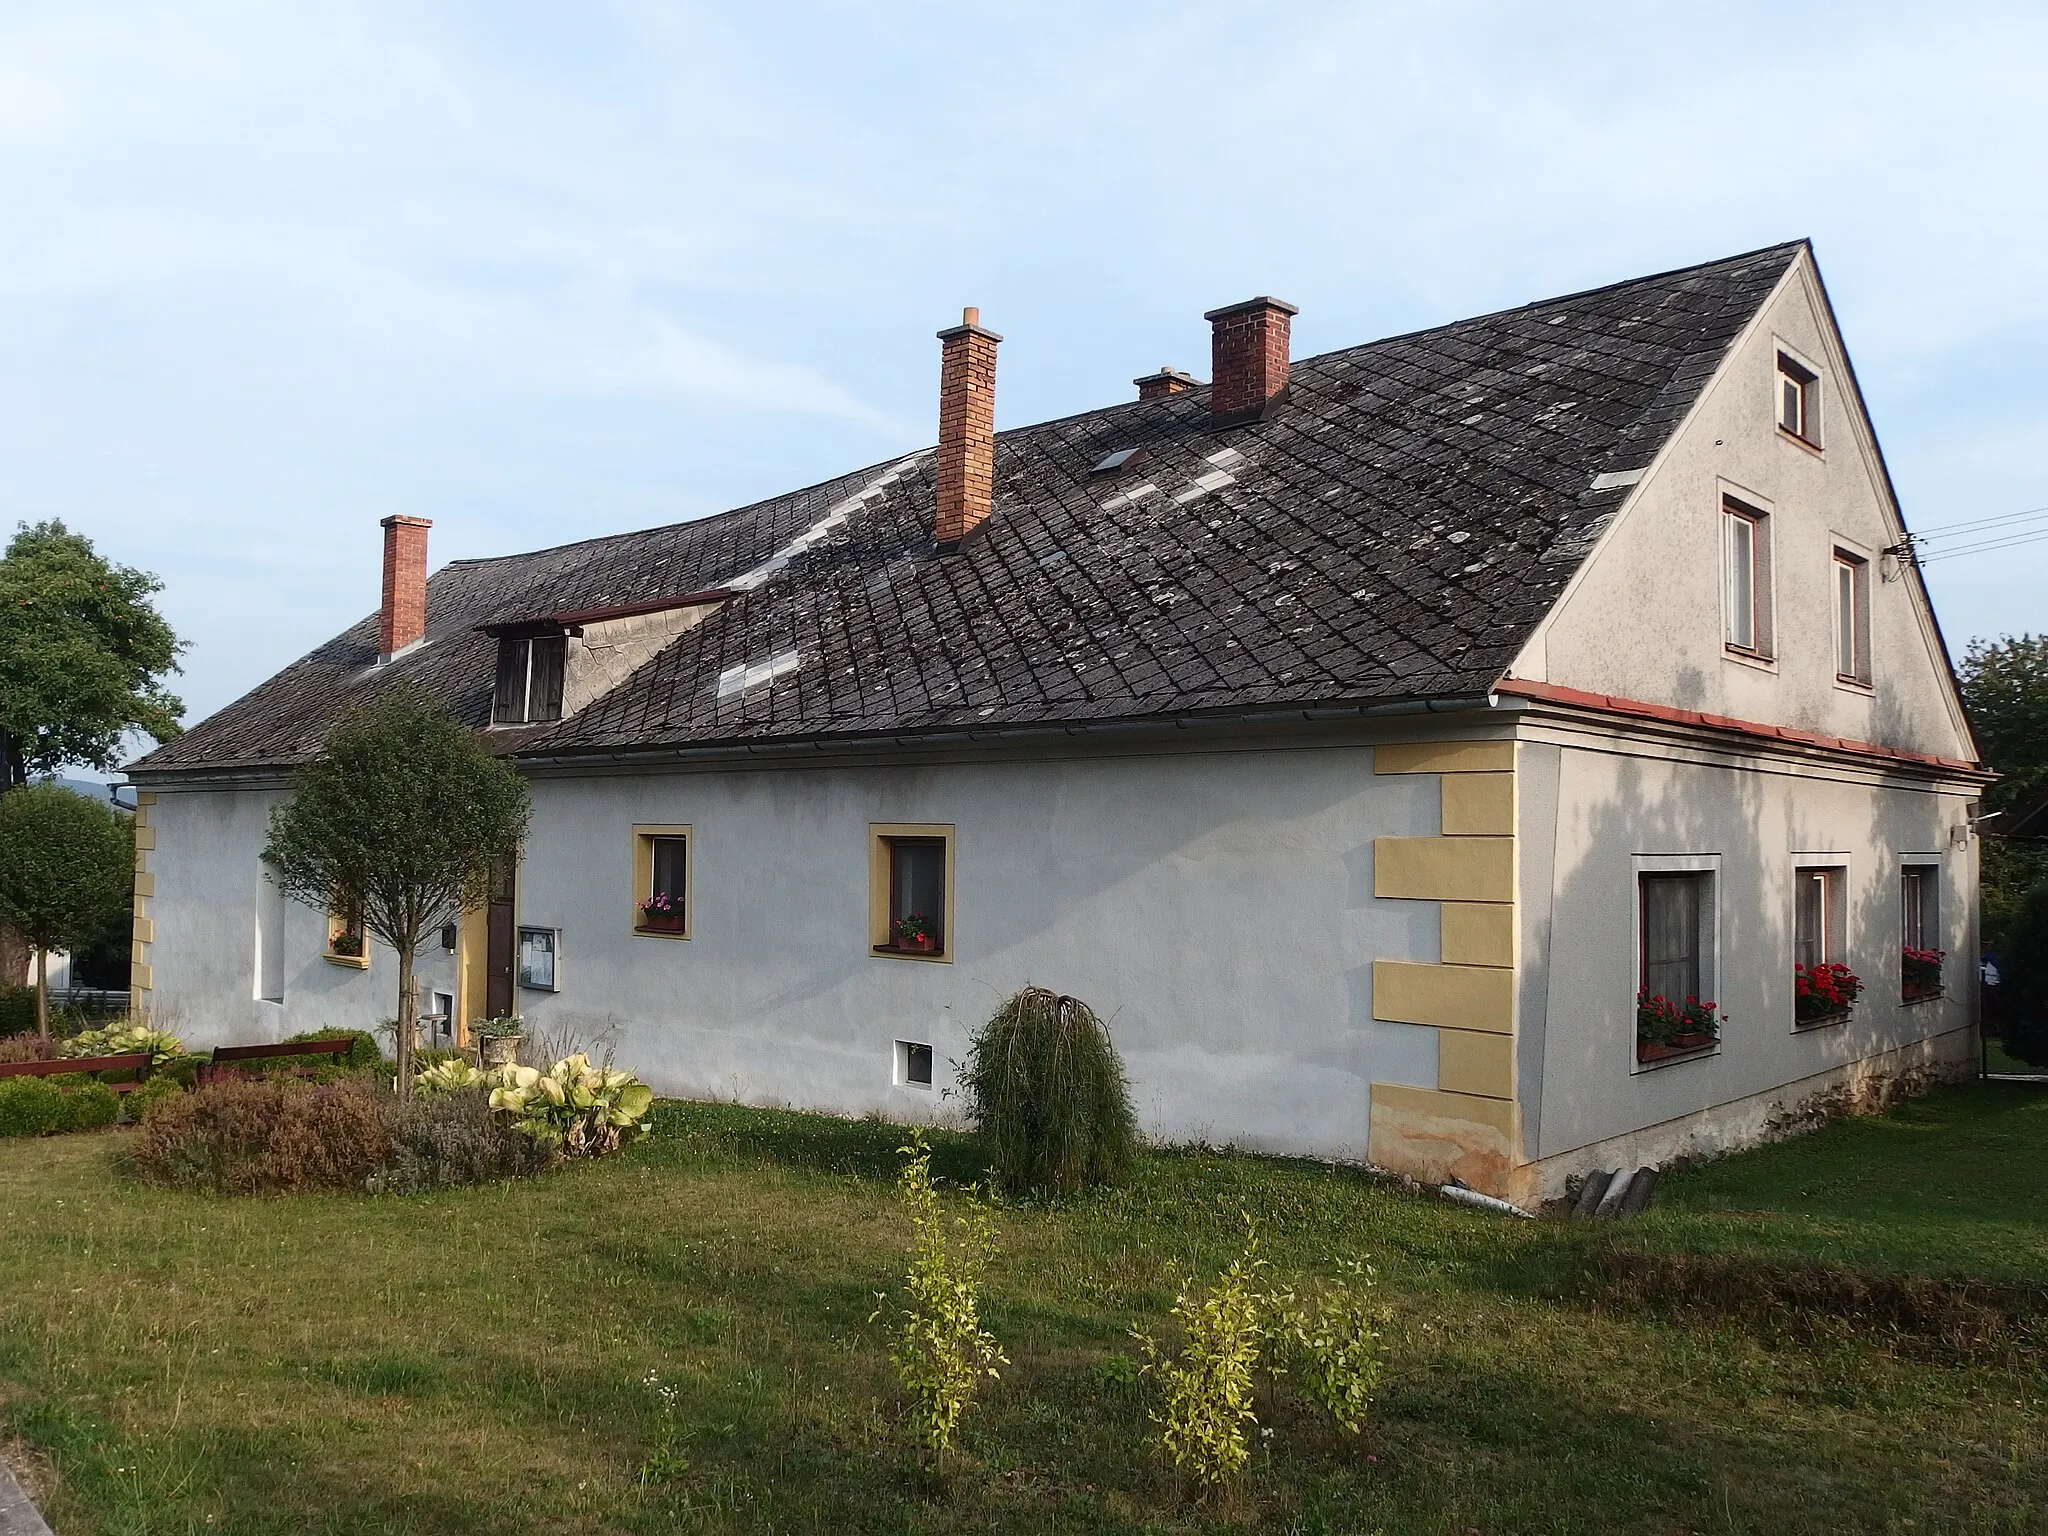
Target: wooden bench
{"points": [[226, 1058], [138, 1064]]}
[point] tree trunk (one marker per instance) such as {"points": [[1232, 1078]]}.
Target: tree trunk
{"points": [[14, 953], [408, 1019], [43, 996]]}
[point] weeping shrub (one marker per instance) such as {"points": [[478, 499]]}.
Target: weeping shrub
{"points": [[1046, 1088]]}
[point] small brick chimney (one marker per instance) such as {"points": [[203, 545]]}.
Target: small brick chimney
{"points": [[967, 430], [1167, 381], [403, 619], [1248, 357]]}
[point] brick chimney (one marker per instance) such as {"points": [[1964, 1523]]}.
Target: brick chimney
{"points": [[403, 619], [1167, 381], [967, 430], [1248, 358]]}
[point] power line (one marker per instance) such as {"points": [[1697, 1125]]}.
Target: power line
{"points": [[2034, 537], [1949, 530]]}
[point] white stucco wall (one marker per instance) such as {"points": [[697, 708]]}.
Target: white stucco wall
{"points": [[204, 956], [1644, 620], [1215, 905], [1609, 799]]}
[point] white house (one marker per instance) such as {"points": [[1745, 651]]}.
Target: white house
{"points": [[1361, 734]]}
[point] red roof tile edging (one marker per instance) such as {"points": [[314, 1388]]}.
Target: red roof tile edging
{"points": [[1609, 704]]}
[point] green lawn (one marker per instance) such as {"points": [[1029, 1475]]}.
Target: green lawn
{"points": [[474, 1361]]}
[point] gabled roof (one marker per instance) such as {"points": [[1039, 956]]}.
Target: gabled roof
{"points": [[1393, 530]]}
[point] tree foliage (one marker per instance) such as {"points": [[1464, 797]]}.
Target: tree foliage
{"points": [[402, 821], [2005, 688], [66, 862], [83, 654], [1046, 1088]]}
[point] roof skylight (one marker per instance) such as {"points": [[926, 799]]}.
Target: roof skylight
{"points": [[739, 679]]}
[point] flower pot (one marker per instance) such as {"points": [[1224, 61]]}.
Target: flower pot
{"points": [[922, 943], [499, 1050], [1694, 1040], [661, 922]]}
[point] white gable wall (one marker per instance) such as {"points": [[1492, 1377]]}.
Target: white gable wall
{"points": [[1643, 620]]}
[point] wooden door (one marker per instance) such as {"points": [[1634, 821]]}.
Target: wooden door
{"points": [[501, 944]]}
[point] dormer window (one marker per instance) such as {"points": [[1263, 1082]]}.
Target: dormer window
{"points": [[529, 680], [1798, 399]]}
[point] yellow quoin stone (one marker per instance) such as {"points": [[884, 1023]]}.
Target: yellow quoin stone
{"points": [[1444, 757], [1436, 1136], [1468, 1061], [1479, 805], [1444, 868], [1448, 996], [1476, 933]]}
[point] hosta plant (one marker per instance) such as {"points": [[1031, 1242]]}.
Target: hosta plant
{"points": [[450, 1075], [584, 1110], [126, 1040]]}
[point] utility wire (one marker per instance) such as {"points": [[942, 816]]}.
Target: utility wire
{"points": [[1977, 549], [1950, 530]]}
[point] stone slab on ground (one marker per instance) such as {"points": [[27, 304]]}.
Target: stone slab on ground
{"points": [[18, 1517]]}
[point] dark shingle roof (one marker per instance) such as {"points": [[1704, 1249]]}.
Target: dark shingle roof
{"points": [[1393, 530]]}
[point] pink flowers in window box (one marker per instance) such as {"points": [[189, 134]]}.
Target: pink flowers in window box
{"points": [[662, 913], [1920, 973], [1665, 1027]]}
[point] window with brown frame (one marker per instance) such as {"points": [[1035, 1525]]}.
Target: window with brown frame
{"points": [[910, 882], [529, 686]]}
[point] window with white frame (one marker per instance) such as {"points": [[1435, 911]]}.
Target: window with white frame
{"points": [[1852, 617], [1676, 1015], [1824, 987], [538, 957], [1920, 951], [1798, 399], [1746, 578]]}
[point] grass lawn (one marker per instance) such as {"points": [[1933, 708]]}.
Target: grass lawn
{"points": [[475, 1360], [1997, 1061]]}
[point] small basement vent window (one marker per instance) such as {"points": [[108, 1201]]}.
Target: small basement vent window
{"points": [[529, 680], [739, 679], [913, 1064]]}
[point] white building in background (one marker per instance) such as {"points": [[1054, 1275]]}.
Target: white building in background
{"points": [[1362, 735]]}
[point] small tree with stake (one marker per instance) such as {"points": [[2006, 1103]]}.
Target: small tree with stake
{"points": [[66, 863], [403, 820]]}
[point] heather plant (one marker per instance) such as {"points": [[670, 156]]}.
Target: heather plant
{"points": [[1206, 1419], [941, 1352], [1046, 1089], [451, 1138], [146, 1095]]}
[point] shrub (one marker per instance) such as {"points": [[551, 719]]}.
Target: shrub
{"points": [[242, 1136], [17, 1010], [586, 1111], [1330, 1339], [42, 1106], [1203, 1428], [363, 1052], [2025, 966], [150, 1092], [274, 1135], [1046, 1088], [452, 1138], [28, 1047], [941, 1352]]}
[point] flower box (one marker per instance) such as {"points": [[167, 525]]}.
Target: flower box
{"points": [[1920, 973], [356, 962], [1665, 1029], [1649, 1051], [662, 922], [1824, 993]]}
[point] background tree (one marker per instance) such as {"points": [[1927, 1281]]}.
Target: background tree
{"points": [[82, 656], [66, 863], [2005, 687], [402, 821]]}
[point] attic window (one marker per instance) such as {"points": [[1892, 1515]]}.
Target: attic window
{"points": [[1121, 459], [739, 679], [529, 680], [1798, 399]]}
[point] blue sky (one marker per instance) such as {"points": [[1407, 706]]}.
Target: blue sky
{"points": [[541, 271]]}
